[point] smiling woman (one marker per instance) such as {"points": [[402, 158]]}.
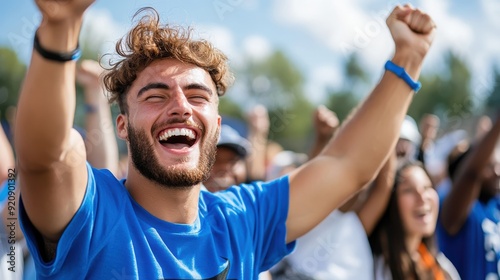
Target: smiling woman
{"points": [[403, 241]]}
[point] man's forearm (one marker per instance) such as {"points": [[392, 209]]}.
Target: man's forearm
{"points": [[102, 149], [367, 138], [47, 102]]}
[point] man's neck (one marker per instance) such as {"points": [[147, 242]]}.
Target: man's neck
{"points": [[175, 205]]}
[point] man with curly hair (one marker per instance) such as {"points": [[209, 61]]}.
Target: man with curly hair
{"points": [[83, 223]]}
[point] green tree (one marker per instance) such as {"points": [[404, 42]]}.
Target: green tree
{"points": [[228, 107], [343, 101], [447, 94], [12, 72], [278, 84], [492, 103]]}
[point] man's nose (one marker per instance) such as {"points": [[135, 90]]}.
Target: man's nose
{"points": [[179, 106]]}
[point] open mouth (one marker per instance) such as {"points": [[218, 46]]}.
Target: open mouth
{"points": [[422, 213], [177, 137]]}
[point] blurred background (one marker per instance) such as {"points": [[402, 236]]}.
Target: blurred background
{"points": [[292, 55]]}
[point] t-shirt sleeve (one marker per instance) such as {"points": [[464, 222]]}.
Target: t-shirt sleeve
{"points": [[270, 209], [78, 241]]}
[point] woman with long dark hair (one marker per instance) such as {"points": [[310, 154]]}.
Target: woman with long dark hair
{"points": [[403, 240]]}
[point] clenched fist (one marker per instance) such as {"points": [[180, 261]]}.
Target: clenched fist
{"points": [[412, 30], [56, 11]]}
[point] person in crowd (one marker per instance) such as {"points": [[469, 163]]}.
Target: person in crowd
{"points": [[429, 127], [403, 242], [258, 133], [7, 161], [13, 251], [229, 168], [101, 148], [427, 149], [325, 123], [238, 159], [338, 247], [231, 163], [468, 228], [285, 162], [409, 139], [100, 137], [78, 219], [483, 125], [344, 253]]}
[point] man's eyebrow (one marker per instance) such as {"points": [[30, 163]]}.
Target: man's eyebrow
{"points": [[152, 86], [199, 86]]}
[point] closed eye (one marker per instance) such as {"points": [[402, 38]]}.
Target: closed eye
{"points": [[155, 98], [199, 98]]}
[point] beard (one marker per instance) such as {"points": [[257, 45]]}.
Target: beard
{"points": [[146, 162]]}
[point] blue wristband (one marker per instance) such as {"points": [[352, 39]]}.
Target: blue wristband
{"points": [[400, 72], [56, 56]]}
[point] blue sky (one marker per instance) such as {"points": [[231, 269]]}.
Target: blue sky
{"points": [[317, 35]]}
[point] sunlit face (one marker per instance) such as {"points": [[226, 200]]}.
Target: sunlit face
{"points": [[417, 202], [172, 125], [229, 169]]}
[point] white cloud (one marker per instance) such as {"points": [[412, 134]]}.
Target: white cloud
{"points": [[100, 31], [223, 39], [344, 26], [452, 33], [359, 26], [251, 5], [257, 47], [321, 78], [336, 23], [482, 56], [475, 39], [491, 8]]}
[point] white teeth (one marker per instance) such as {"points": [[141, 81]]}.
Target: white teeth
{"points": [[423, 211], [177, 132]]}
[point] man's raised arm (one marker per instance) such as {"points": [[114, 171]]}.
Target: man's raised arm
{"points": [[51, 155], [354, 156]]}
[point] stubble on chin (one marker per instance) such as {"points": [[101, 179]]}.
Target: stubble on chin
{"points": [[144, 159]]}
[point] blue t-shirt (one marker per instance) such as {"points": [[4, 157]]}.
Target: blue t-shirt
{"points": [[4, 191], [238, 233], [475, 249]]}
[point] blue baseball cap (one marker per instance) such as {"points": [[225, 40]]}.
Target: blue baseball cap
{"points": [[230, 138]]}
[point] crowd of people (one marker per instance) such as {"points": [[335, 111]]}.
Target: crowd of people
{"points": [[375, 197]]}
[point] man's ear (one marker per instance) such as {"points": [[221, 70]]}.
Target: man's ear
{"points": [[121, 126]]}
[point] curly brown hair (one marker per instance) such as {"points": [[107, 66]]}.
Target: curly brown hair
{"points": [[149, 41]]}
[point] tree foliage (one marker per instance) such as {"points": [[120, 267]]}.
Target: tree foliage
{"points": [[493, 101], [12, 72], [278, 84], [228, 107], [447, 95], [344, 100]]}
